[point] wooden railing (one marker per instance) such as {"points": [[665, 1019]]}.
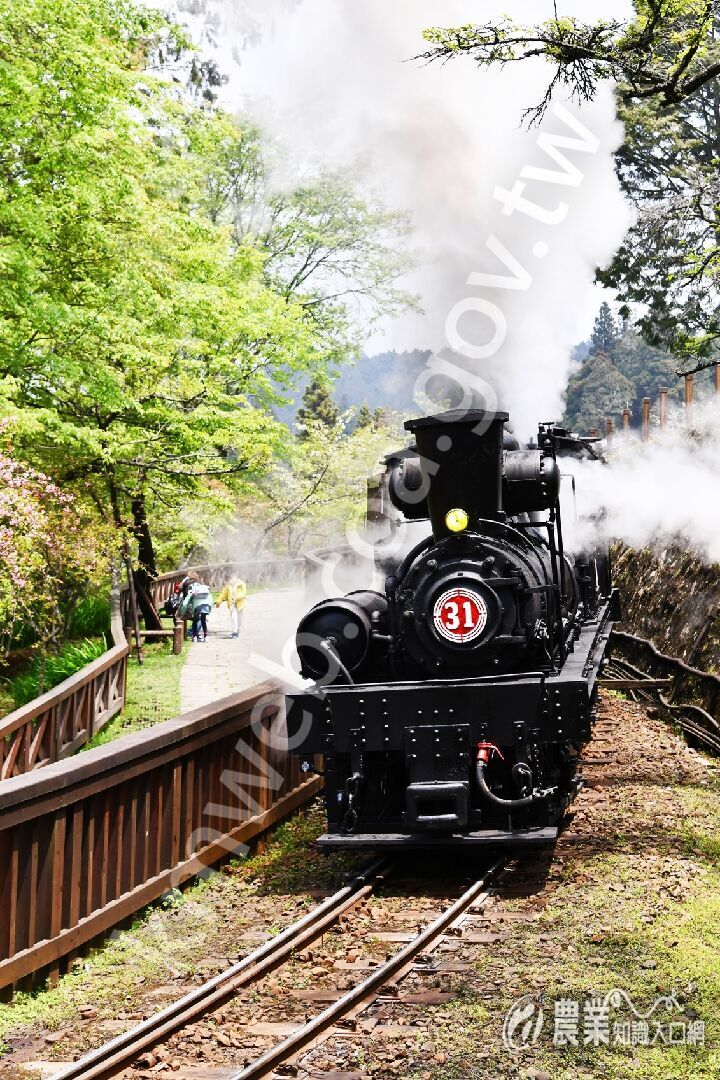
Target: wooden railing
{"points": [[86, 843], [58, 723], [254, 572], [333, 571]]}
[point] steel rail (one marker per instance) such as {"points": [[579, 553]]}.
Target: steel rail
{"points": [[367, 989], [671, 661], [697, 730], [115, 1055], [711, 739]]}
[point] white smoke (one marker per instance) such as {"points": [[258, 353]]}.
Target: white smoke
{"points": [[334, 83], [654, 493]]}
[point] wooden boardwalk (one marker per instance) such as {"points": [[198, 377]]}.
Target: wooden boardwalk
{"points": [[222, 665]]}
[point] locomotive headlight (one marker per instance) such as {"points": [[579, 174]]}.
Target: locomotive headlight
{"points": [[456, 520]]}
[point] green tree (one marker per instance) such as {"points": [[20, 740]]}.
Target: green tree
{"points": [[339, 256], [661, 55], [670, 259], [597, 392], [318, 406], [319, 488], [605, 333], [142, 338], [364, 416], [647, 368]]}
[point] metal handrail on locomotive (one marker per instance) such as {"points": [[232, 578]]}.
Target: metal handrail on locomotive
{"points": [[453, 706]]}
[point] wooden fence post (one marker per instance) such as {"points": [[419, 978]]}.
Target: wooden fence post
{"points": [[689, 391], [134, 608], [663, 406], [626, 419], [609, 431], [645, 434]]}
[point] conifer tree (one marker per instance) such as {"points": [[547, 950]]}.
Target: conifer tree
{"points": [[364, 416], [318, 405], [605, 334]]}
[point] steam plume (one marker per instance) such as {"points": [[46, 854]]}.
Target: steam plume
{"points": [[334, 82]]}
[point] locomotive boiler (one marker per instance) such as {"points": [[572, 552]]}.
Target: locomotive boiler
{"points": [[452, 706]]}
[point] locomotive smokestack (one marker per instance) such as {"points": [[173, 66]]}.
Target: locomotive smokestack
{"points": [[461, 456]]}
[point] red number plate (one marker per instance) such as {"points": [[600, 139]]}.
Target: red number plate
{"points": [[460, 615]]}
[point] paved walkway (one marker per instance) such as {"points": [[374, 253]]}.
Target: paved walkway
{"points": [[222, 666]]}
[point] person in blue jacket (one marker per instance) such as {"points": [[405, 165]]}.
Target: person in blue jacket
{"points": [[197, 605]]}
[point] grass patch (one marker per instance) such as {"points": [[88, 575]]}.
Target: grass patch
{"points": [[626, 918], [47, 671], [7, 704], [567, 956], [646, 922], [153, 693], [291, 860]]}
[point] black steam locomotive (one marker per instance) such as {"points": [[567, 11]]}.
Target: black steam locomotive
{"points": [[452, 707]]}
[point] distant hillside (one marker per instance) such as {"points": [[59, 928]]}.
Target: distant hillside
{"points": [[385, 381], [617, 371], [616, 376]]}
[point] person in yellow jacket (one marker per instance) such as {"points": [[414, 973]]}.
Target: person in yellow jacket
{"points": [[234, 594]]}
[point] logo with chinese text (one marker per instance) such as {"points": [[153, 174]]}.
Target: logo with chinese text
{"points": [[603, 1021], [523, 1023]]}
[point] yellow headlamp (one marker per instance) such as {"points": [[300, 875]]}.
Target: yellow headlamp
{"points": [[456, 520]]}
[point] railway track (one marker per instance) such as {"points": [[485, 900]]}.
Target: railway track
{"points": [[690, 718], [116, 1056]]}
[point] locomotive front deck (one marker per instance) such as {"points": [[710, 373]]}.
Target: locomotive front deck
{"points": [[421, 739]]}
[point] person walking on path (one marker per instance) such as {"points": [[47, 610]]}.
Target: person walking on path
{"points": [[197, 605], [234, 594]]}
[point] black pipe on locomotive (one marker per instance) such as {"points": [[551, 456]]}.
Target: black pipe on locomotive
{"points": [[452, 706]]}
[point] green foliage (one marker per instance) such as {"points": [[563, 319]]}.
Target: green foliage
{"points": [[648, 369], [319, 490], [153, 694], [144, 329], [662, 54], [90, 617], [670, 259], [598, 391], [132, 330], [338, 256], [48, 553], [48, 671], [617, 377], [364, 417], [605, 333], [318, 406]]}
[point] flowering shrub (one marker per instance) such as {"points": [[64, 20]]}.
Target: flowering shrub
{"points": [[48, 552]]}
